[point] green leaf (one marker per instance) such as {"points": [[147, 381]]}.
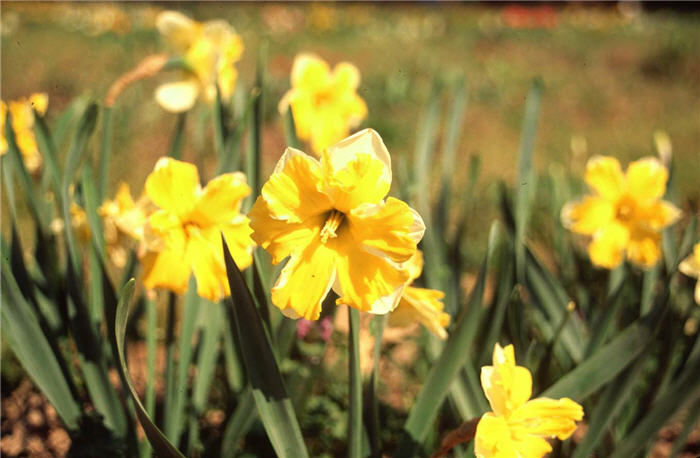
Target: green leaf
{"points": [[354, 385], [525, 186], [105, 153], [243, 418], [21, 331], [178, 139], [373, 426], [274, 406], [160, 443], [254, 151], [290, 130]]}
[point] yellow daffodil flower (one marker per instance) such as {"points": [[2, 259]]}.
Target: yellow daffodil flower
{"points": [[324, 103], [184, 233], [420, 304], [332, 220], [209, 50], [518, 426], [123, 219], [691, 267], [626, 213], [23, 126]]}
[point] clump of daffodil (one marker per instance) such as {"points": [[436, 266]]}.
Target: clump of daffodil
{"points": [[332, 220], [183, 235], [420, 304], [626, 214], [518, 426], [209, 51], [324, 103], [691, 267], [22, 116], [123, 220]]}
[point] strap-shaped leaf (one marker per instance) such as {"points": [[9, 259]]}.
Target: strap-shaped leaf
{"points": [[161, 445], [273, 403]]}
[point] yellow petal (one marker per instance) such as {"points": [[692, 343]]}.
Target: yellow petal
{"points": [[390, 229], [493, 438], [532, 447], [547, 417], [279, 237], [179, 30], [221, 199], [644, 248], [346, 77], [607, 249], [292, 193], [240, 244], [40, 102], [168, 268], [690, 266], [659, 214], [328, 126], [505, 385], [604, 175], [207, 263], [360, 166], [305, 281], [178, 96], [414, 266], [588, 215], [422, 305], [646, 179], [309, 72], [173, 185]]}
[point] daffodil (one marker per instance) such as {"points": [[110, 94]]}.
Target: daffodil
{"points": [[209, 51], [691, 267], [331, 218], [518, 427], [123, 219], [22, 117], [420, 304], [626, 214], [324, 103], [184, 233]]}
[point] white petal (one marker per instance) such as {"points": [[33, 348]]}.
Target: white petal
{"points": [[178, 96]]}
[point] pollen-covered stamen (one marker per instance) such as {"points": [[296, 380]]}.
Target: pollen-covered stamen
{"points": [[331, 225]]}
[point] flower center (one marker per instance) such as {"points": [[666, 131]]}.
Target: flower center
{"points": [[625, 209], [191, 228], [331, 225]]}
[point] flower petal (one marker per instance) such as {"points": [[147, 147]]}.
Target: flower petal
{"points": [[658, 214], [548, 417], [309, 72], [178, 96], [506, 386], [207, 263], [646, 179], [220, 200], [588, 215], [422, 305], [346, 77], [359, 168], [167, 268], [173, 185], [305, 281], [493, 438], [179, 30], [390, 229], [644, 248], [604, 175], [292, 192], [690, 266], [607, 249]]}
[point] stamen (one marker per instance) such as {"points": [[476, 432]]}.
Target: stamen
{"points": [[331, 226]]}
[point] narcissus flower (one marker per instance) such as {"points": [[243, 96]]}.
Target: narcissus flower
{"points": [[626, 214], [332, 220], [22, 115], [209, 51], [518, 426], [691, 267], [184, 234], [420, 304], [123, 220], [324, 103]]}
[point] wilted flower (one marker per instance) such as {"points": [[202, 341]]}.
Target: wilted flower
{"points": [[626, 214], [324, 103], [420, 304], [691, 267], [22, 117], [518, 426], [123, 219], [209, 50], [331, 219], [184, 235]]}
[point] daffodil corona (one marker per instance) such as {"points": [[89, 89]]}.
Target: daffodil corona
{"points": [[518, 427], [332, 220], [691, 267], [420, 304], [209, 51], [324, 103], [22, 116], [626, 213], [183, 236]]}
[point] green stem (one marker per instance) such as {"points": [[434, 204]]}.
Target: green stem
{"points": [[355, 386]]}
